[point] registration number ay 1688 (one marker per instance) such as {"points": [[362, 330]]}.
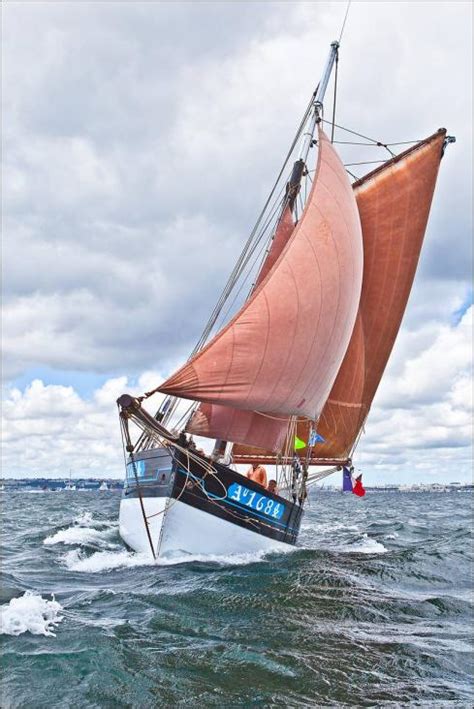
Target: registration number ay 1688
{"points": [[259, 503]]}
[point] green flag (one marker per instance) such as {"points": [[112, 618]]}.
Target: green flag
{"points": [[299, 443]]}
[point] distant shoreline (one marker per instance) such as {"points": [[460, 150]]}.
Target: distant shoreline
{"points": [[111, 484]]}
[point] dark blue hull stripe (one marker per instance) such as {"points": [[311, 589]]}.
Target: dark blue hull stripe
{"points": [[225, 501]]}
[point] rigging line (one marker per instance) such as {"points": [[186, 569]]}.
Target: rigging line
{"points": [[360, 135], [344, 23], [279, 205], [376, 145], [237, 268], [126, 436], [365, 162], [183, 421], [231, 281], [257, 258], [405, 142], [251, 250], [358, 142], [335, 93], [231, 305]]}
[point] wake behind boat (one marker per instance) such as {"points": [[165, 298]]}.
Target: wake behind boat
{"points": [[288, 379]]}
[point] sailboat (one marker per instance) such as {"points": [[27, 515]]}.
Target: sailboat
{"points": [[300, 358], [70, 486]]}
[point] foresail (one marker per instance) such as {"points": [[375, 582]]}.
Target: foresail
{"points": [[236, 425], [394, 203], [282, 235], [264, 360]]}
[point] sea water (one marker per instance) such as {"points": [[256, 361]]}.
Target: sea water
{"points": [[373, 608]]}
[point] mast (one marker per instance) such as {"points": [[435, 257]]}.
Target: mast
{"points": [[293, 185], [308, 137], [312, 114], [318, 102]]}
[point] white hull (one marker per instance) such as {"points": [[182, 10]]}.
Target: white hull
{"points": [[183, 529], [131, 524]]}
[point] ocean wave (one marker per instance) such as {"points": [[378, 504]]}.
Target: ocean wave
{"points": [[84, 530], [366, 545], [30, 613], [79, 535], [222, 560], [84, 519], [100, 561]]}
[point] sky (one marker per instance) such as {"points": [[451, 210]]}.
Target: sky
{"points": [[139, 143]]}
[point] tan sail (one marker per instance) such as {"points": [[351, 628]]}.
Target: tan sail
{"points": [[282, 235], [394, 203], [264, 360], [230, 424], [237, 425]]}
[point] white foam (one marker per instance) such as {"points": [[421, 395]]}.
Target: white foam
{"points": [[30, 613], [77, 535], [224, 560], [110, 560], [366, 545], [84, 519], [84, 531], [105, 561]]}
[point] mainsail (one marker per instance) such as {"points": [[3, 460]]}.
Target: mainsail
{"points": [[280, 354], [394, 203]]}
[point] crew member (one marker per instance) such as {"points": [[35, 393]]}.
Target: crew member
{"points": [[258, 474], [272, 487]]}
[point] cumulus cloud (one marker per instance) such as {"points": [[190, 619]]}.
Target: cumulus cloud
{"points": [[50, 429], [140, 141], [422, 417], [421, 420]]}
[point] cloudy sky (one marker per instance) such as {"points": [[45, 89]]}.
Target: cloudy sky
{"points": [[139, 142]]}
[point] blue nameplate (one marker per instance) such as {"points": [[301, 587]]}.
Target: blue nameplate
{"points": [[259, 503]]}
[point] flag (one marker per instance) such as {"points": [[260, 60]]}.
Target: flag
{"points": [[299, 443], [358, 488], [346, 480], [314, 438]]}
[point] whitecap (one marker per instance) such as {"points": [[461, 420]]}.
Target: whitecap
{"points": [[100, 561], [105, 560], [224, 560], [84, 519], [84, 530], [77, 535], [366, 545], [30, 613]]}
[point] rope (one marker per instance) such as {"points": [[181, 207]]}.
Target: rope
{"points": [[360, 135], [242, 262], [126, 436], [344, 23], [365, 162], [237, 268], [335, 88]]}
